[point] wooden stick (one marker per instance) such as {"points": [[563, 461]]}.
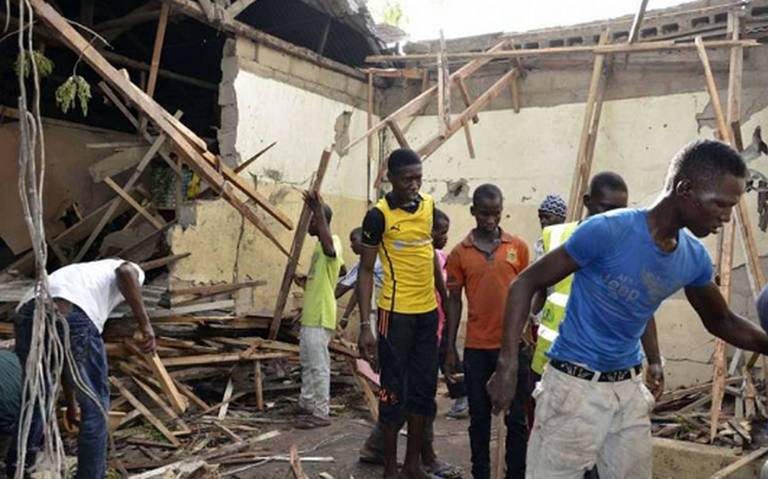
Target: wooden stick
{"points": [[298, 472], [500, 451], [225, 399], [418, 103], [242, 166], [164, 261], [470, 143], [432, 145], [583, 159], [157, 423], [533, 52], [296, 245], [258, 385], [153, 362], [157, 51], [513, 90], [634, 32], [158, 224], [219, 358], [735, 466], [467, 98], [217, 288], [369, 139], [399, 136]]}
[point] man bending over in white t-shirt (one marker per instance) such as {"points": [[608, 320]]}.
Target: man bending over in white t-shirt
{"points": [[85, 294]]}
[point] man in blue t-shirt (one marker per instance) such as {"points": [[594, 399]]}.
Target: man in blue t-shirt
{"points": [[592, 406]]}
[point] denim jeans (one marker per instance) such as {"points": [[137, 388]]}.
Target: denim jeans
{"points": [[91, 361], [479, 365]]}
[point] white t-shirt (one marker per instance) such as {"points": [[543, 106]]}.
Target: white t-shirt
{"points": [[91, 286]]}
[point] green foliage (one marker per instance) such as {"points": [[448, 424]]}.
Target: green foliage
{"points": [[74, 88], [23, 64], [393, 13]]}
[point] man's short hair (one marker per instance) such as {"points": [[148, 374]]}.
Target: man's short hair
{"points": [[702, 162], [606, 180], [401, 158], [487, 191], [440, 215]]}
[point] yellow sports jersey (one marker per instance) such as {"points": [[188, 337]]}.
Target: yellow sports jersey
{"points": [[407, 258]]}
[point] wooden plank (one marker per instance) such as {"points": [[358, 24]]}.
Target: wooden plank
{"points": [[125, 252], [296, 246], [409, 73], [362, 383], [157, 223], [466, 97], [217, 288], [470, 143], [744, 461], [714, 95], [164, 261], [295, 460], [671, 45], [515, 93], [418, 103], [157, 51], [369, 139], [399, 136], [225, 399], [432, 145], [153, 363], [157, 423], [583, 159], [634, 32], [153, 111], [443, 90], [220, 358], [258, 381]]}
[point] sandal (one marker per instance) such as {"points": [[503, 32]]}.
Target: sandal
{"points": [[444, 470]]}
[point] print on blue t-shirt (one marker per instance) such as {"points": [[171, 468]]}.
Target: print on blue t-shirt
{"points": [[622, 280]]}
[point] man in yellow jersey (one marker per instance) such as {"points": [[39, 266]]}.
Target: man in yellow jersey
{"points": [[399, 230], [607, 191]]}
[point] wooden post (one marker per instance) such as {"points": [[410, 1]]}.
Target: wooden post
{"points": [[157, 51], [443, 89], [369, 139], [398, 133], [298, 243], [258, 385], [591, 116]]}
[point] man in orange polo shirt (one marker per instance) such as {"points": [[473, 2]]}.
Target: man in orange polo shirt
{"points": [[484, 264]]}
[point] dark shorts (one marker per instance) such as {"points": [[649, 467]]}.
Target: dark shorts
{"points": [[407, 347]]}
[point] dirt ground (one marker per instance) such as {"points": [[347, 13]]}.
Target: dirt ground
{"points": [[343, 439]]}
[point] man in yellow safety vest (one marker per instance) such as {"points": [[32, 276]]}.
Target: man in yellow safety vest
{"points": [[607, 191]]}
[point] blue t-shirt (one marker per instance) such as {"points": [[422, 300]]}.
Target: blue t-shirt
{"points": [[622, 279]]}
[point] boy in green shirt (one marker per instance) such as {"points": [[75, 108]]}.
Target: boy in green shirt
{"points": [[318, 318]]}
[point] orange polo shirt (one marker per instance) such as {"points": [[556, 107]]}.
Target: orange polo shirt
{"points": [[486, 279]]}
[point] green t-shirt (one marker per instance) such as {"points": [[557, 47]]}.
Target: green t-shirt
{"points": [[319, 299]]}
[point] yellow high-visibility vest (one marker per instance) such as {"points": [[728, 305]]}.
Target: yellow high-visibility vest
{"points": [[407, 258], [553, 312]]}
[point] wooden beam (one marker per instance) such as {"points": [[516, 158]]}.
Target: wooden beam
{"points": [[225, 399], [154, 111], [467, 99], [399, 136], [583, 158], [157, 51], [258, 384], [735, 466], [594, 49], [296, 246], [125, 252], [158, 224], [418, 103], [139, 406], [135, 64], [409, 73], [500, 450], [722, 126], [154, 364], [456, 124], [164, 261], [242, 166], [369, 140], [443, 89], [634, 32]]}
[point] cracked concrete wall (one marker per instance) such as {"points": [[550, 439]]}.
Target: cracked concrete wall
{"points": [[270, 96]]}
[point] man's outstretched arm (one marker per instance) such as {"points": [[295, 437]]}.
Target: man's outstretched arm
{"points": [[545, 272], [129, 286], [366, 342], [724, 323]]}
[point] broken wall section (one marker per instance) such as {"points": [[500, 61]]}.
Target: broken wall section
{"points": [[268, 96]]}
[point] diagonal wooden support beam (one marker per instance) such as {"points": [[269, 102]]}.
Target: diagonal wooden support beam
{"points": [[296, 246], [157, 114], [399, 135], [134, 204], [238, 6], [456, 124], [157, 51], [416, 104]]}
